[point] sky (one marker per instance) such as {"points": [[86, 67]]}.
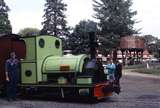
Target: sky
{"points": [[28, 13]]}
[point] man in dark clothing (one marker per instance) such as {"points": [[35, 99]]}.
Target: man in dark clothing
{"points": [[118, 75], [12, 68]]}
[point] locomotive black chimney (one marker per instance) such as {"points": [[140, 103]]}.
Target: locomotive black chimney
{"points": [[93, 44]]}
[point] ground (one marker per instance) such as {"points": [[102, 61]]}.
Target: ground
{"points": [[138, 91]]}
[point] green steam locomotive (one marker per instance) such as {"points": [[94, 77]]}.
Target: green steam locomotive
{"points": [[45, 70]]}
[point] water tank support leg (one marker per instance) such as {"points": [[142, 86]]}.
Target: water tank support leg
{"points": [[62, 92]]}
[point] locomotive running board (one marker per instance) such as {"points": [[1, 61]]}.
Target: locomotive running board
{"points": [[99, 90]]}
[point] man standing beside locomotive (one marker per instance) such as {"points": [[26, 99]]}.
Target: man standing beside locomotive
{"points": [[118, 75], [12, 68], [111, 70]]}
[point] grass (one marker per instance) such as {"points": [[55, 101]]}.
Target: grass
{"points": [[135, 66], [155, 71], [141, 68]]}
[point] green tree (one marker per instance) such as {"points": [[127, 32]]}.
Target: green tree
{"points": [[115, 20], [149, 39], [55, 19], [152, 44], [79, 40], [5, 26], [29, 32]]}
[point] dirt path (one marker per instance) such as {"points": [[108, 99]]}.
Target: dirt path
{"points": [[138, 91]]}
